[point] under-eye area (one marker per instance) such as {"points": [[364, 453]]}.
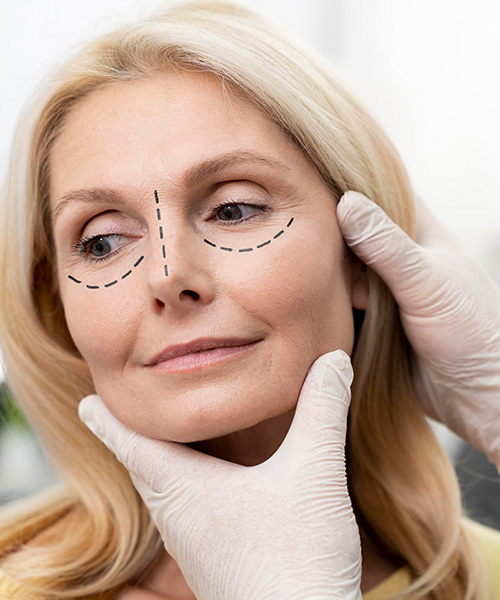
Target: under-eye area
{"points": [[252, 248], [161, 235], [137, 262], [110, 283]]}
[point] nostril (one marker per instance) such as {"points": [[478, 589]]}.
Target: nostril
{"points": [[193, 295]]}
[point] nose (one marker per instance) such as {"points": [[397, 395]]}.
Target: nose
{"points": [[178, 272]]}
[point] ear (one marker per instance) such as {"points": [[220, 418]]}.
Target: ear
{"points": [[359, 282]]}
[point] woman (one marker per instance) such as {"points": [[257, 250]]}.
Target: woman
{"points": [[164, 178]]}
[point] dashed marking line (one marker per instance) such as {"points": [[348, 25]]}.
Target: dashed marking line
{"points": [[276, 236]]}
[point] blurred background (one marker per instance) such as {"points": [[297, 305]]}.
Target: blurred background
{"points": [[427, 70]]}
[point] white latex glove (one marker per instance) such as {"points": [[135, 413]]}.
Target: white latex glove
{"points": [[450, 311], [283, 529]]}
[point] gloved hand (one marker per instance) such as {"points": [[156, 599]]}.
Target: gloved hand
{"points": [[283, 529], [450, 311]]}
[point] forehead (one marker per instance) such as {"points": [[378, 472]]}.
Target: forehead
{"points": [[158, 124]]}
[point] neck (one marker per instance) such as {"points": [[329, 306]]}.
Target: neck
{"points": [[249, 447]]}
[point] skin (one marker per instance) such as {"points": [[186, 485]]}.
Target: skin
{"points": [[273, 295], [293, 298]]}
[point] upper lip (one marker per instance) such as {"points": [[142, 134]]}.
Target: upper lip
{"points": [[197, 346]]}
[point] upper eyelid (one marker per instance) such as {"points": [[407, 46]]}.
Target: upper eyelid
{"points": [[237, 197], [120, 226]]}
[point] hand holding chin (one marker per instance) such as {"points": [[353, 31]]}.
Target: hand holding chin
{"points": [[281, 529]]}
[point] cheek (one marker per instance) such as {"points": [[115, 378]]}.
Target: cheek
{"points": [[100, 324], [301, 291]]}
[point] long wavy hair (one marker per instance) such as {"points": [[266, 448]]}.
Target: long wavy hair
{"points": [[93, 535]]}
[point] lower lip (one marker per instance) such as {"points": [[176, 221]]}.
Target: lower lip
{"points": [[205, 358]]}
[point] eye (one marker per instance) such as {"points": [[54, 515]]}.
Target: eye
{"points": [[100, 247], [236, 211]]}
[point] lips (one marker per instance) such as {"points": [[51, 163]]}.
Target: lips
{"points": [[198, 346]]}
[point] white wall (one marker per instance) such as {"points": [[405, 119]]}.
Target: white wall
{"points": [[430, 71]]}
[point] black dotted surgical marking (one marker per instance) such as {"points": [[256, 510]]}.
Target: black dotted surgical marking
{"points": [[277, 235], [160, 230], [139, 261], [136, 264]]}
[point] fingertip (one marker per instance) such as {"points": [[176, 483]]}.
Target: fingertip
{"points": [[352, 196], [97, 417], [337, 357], [351, 199], [88, 406], [333, 366]]}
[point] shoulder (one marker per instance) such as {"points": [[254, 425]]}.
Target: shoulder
{"points": [[489, 542], [487, 538]]}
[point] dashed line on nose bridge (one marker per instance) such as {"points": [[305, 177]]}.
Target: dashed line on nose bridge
{"points": [[164, 251], [160, 231]]}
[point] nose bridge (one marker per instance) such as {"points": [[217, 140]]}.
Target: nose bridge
{"points": [[170, 250], [161, 235], [176, 267]]}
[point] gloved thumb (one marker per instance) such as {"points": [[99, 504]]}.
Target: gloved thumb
{"points": [[321, 412]]}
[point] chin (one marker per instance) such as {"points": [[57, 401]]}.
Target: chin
{"points": [[201, 427]]}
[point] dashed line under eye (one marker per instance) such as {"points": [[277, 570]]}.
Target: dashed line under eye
{"points": [[258, 246]]}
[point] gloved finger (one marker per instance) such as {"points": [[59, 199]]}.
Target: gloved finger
{"points": [[379, 242], [321, 412], [158, 464]]}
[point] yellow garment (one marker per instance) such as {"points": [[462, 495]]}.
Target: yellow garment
{"points": [[488, 539]]}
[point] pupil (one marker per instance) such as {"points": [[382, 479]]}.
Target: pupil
{"points": [[100, 247], [231, 211]]}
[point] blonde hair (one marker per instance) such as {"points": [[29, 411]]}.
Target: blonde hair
{"points": [[402, 484]]}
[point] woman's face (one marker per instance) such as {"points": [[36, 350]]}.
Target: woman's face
{"points": [[199, 259]]}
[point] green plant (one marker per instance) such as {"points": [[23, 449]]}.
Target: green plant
{"points": [[10, 413]]}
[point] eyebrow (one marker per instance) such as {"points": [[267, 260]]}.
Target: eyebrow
{"points": [[89, 196], [194, 176]]}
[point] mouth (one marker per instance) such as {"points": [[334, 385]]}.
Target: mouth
{"points": [[200, 353]]}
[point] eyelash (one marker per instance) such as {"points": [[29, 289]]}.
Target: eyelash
{"points": [[81, 247], [260, 207]]}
